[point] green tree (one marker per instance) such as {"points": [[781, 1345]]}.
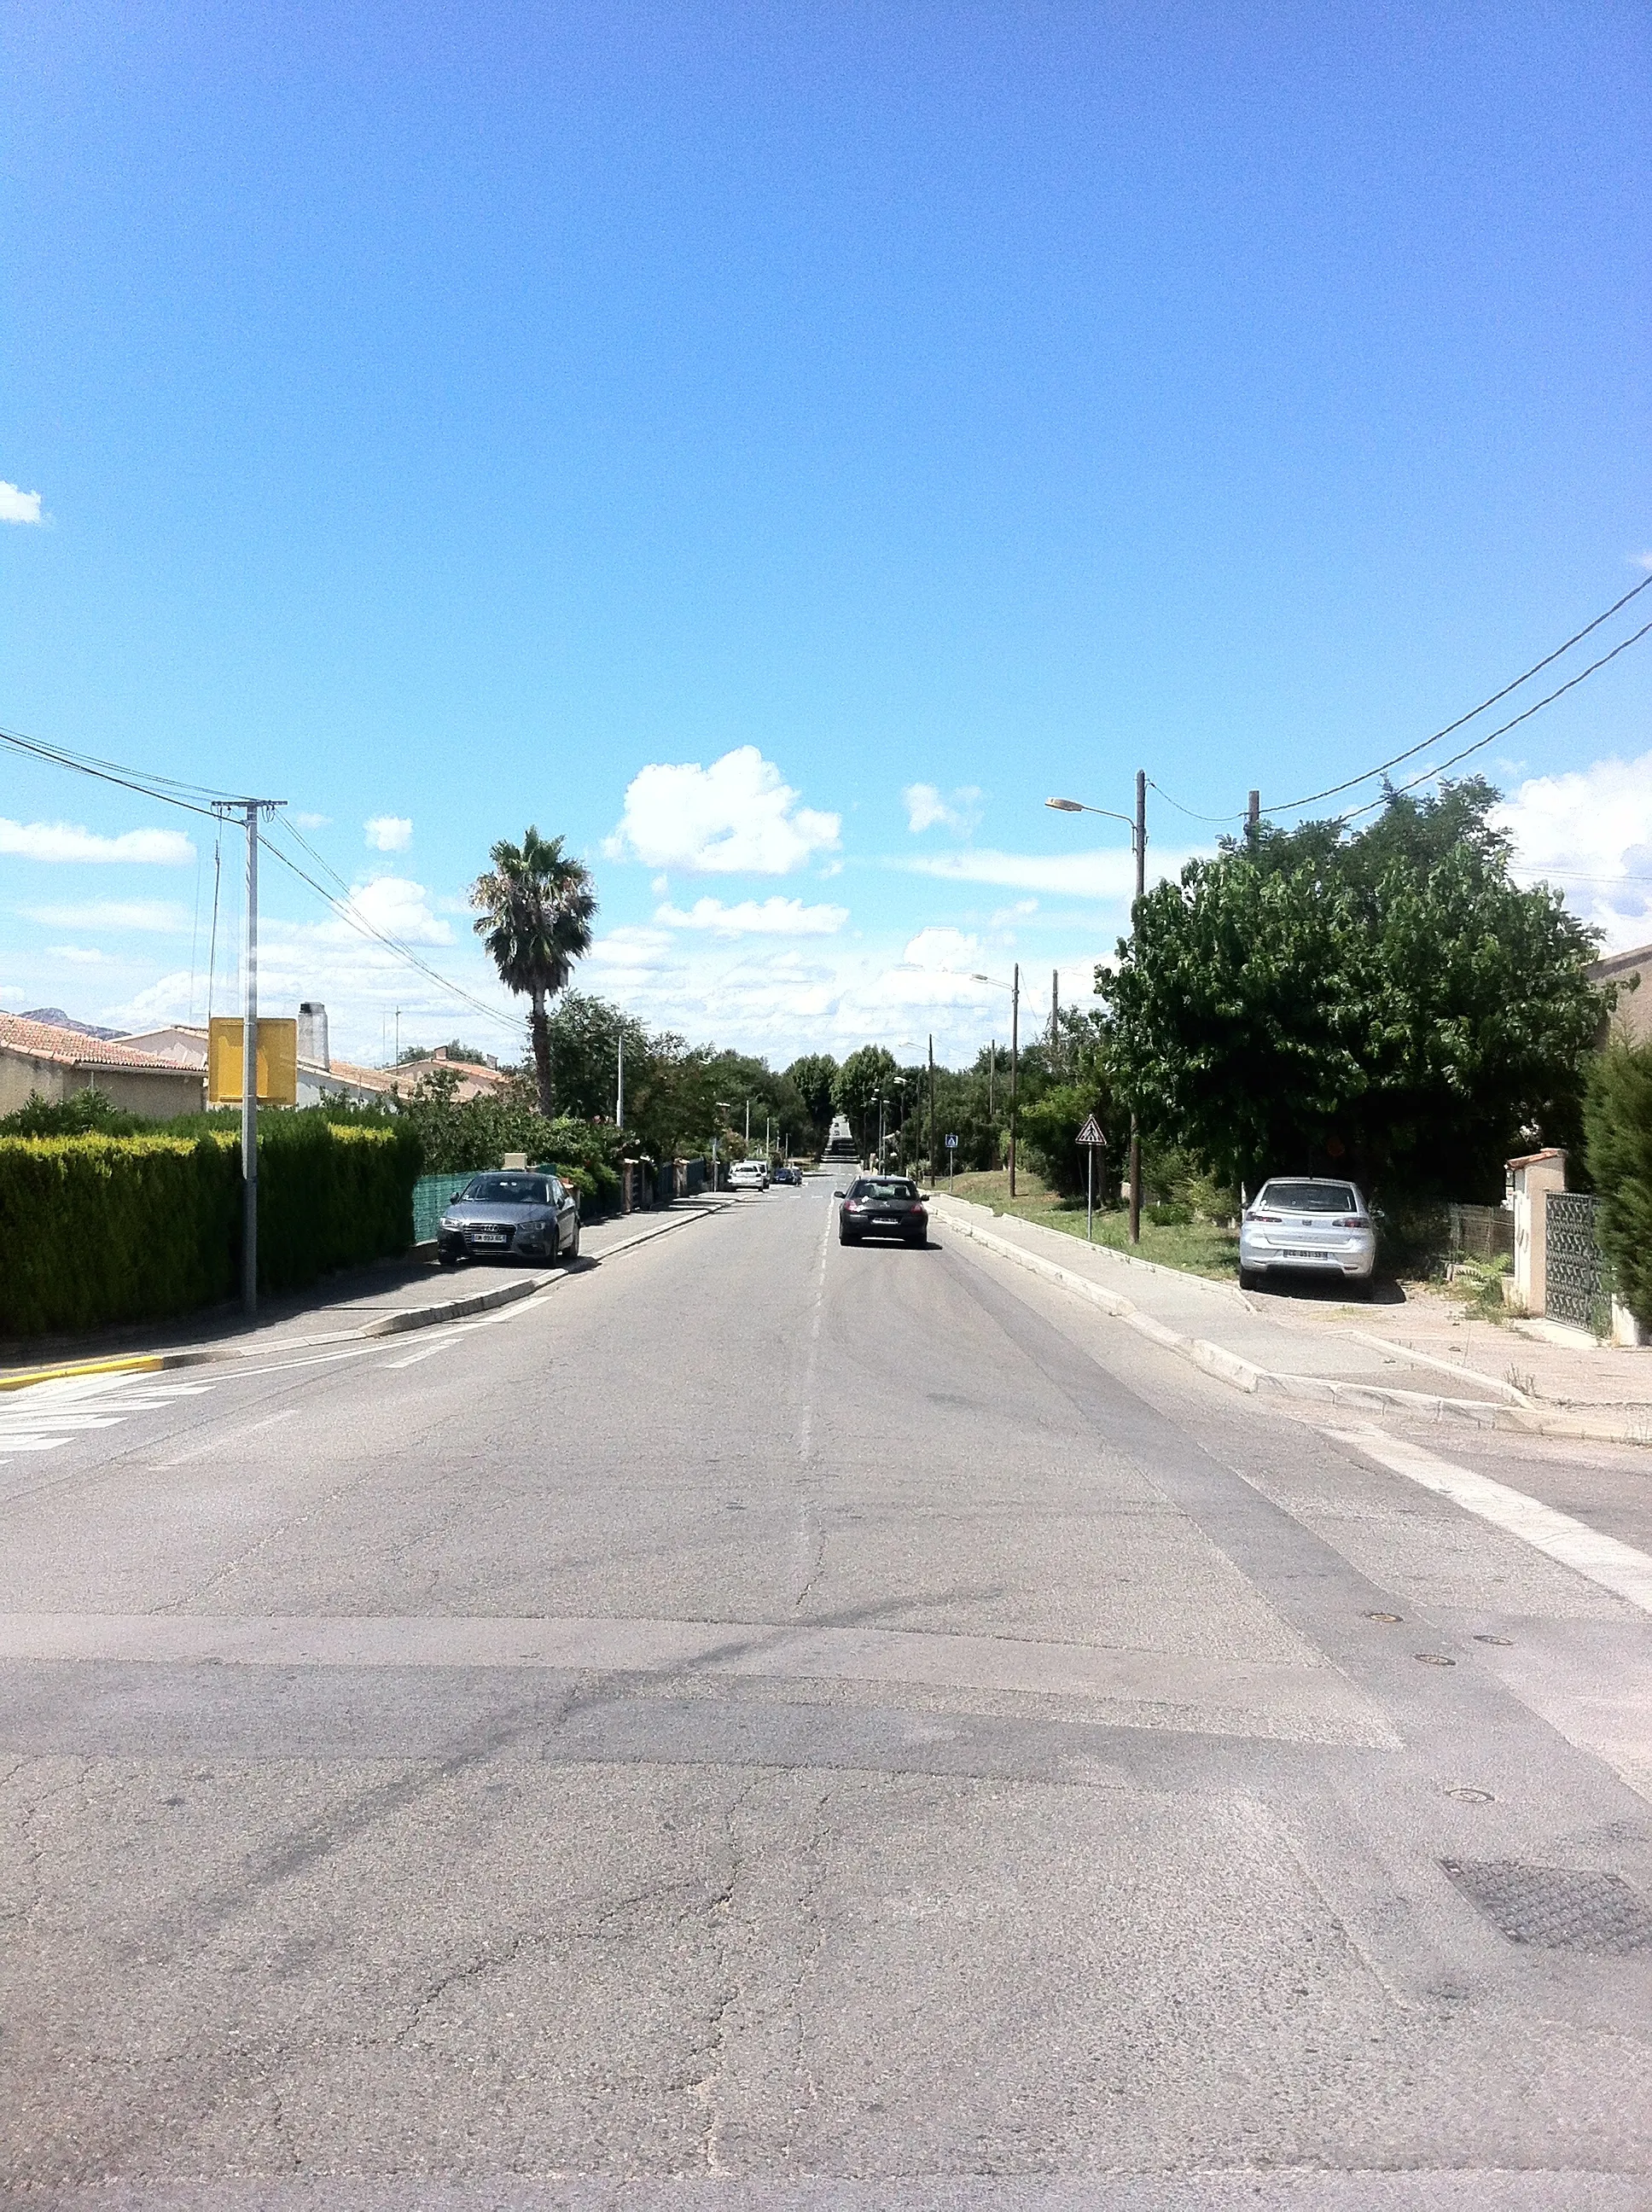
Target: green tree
{"points": [[535, 909], [864, 1077], [812, 1078], [1618, 1120], [1392, 1003]]}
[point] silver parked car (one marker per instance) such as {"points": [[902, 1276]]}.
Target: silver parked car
{"points": [[1316, 1225], [515, 1215]]}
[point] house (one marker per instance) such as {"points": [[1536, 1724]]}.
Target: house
{"points": [[1632, 973], [476, 1078], [321, 1077], [38, 1059]]}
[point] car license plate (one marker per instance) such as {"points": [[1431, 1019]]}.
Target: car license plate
{"points": [[885, 1221], [487, 1236], [1297, 1255]]}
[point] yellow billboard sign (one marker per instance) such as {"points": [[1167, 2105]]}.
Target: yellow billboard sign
{"points": [[277, 1062]]}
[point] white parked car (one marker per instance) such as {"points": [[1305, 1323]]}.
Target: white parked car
{"points": [[1316, 1225], [749, 1175]]}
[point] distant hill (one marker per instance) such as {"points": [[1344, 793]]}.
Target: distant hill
{"points": [[60, 1020]]}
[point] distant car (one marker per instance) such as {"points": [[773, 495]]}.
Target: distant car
{"points": [[882, 1206], [1313, 1224], [512, 1215], [749, 1175], [786, 1173]]}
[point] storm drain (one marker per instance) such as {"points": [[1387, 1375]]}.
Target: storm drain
{"points": [[1559, 1908]]}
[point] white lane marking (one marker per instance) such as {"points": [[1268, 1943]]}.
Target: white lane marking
{"points": [[425, 1351], [54, 1413], [222, 1437], [806, 1426], [1603, 1559]]}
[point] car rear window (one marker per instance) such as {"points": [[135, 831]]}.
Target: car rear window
{"points": [[1310, 1197], [508, 1190], [885, 1187]]}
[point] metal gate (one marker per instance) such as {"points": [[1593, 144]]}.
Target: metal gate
{"points": [[1579, 1289]]}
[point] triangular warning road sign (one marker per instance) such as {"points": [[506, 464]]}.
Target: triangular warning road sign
{"points": [[1090, 1134]]}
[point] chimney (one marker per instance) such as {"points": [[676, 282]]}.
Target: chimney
{"points": [[313, 1033]]}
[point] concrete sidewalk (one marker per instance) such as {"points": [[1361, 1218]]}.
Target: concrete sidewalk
{"points": [[382, 1301], [1424, 1357]]}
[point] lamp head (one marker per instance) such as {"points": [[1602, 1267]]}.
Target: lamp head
{"points": [[1066, 805]]}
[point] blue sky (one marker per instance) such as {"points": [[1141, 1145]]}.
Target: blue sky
{"points": [[449, 420]]}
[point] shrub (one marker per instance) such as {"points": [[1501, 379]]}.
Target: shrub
{"points": [[1618, 1122], [1170, 1215], [110, 1229], [86, 1114], [1048, 1131], [99, 1229]]}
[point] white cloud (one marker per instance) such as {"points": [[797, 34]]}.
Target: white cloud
{"points": [[1108, 873], [937, 949], [399, 908], [736, 817], [19, 505], [771, 917], [311, 821], [156, 917], [66, 840], [927, 809], [1590, 833], [78, 955], [389, 833]]}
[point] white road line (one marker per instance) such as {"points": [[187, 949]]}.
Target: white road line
{"points": [[221, 1437], [806, 1426], [424, 1352], [1603, 1559]]}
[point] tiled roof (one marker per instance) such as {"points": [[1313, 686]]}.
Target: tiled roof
{"points": [[72, 1047], [370, 1079]]}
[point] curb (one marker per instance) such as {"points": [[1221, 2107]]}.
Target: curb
{"points": [[392, 1324], [1607, 1426]]}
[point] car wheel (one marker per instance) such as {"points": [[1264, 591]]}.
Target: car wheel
{"points": [[573, 1252], [844, 1237], [918, 1243], [447, 1259], [1248, 1278]]}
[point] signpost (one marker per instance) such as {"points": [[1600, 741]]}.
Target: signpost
{"points": [[951, 1143], [1091, 1141]]}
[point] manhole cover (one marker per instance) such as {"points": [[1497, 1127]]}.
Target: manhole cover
{"points": [[1435, 1659], [1472, 1796], [1502, 1643], [1558, 1908], [1385, 1616]]}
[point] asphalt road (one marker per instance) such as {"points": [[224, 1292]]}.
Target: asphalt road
{"points": [[768, 1725]]}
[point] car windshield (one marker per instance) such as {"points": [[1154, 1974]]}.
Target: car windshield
{"points": [[1310, 1197], [508, 1190], [885, 1187]]}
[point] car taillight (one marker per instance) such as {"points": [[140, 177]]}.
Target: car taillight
{"points": [[1351, 1221], [1267, 1217], [919, 1214]]}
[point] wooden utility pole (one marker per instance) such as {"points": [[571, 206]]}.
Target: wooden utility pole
{"points": [[1015, 1063], [1141, 885], [1055, 1016], [1254, 820], [932, 1104]]}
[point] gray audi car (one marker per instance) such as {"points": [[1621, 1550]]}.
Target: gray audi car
{"points": [[510, 1214]]}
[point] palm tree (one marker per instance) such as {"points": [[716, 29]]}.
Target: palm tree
{"points": [[536, 906]]}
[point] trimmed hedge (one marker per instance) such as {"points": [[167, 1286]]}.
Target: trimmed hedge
{"points": [[95, 1229], [108, 1229], [1618, 1116]]}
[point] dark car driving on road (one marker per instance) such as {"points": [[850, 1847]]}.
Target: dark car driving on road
{"points": [[510, 1215], [882, 1206]]}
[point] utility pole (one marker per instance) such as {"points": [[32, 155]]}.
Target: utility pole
{"points": [[932, 1103], [398, 1037], [992, 1077], [253, 808], [1015, 1064], [1141, 885], [1056, 1016], [619, 1082], [1254, 820]]}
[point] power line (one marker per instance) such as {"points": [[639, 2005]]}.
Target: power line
{"points": [[1189, 811], [348, 912], [1330, 791], [166, 789], [1480, 743]]}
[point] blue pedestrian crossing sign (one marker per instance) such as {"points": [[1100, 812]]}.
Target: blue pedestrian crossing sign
{"points": [[951, 1144], [1090, 1135]]}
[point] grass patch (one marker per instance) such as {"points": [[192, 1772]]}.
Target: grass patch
{"points": [[1197, 1248]]}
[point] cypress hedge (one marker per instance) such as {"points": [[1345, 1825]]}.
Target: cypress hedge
{"points": [[1618, 1117], [95, 1229]]}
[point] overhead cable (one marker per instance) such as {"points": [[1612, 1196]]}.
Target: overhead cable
{"points": [[1289, 805]]}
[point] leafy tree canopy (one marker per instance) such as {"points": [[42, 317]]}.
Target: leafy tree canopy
{"points": [[1390, 1003]]}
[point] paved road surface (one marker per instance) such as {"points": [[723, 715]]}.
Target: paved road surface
{"points": [[784, 1726]]}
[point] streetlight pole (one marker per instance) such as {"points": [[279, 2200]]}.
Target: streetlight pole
{"points": [[1138, 846]]}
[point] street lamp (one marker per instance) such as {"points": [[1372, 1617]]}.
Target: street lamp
{"points": [[1139, 847], [722, 1106]]}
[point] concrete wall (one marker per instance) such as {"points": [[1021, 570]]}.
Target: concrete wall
{"points": [[1632, 973], [159, 1092]]}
